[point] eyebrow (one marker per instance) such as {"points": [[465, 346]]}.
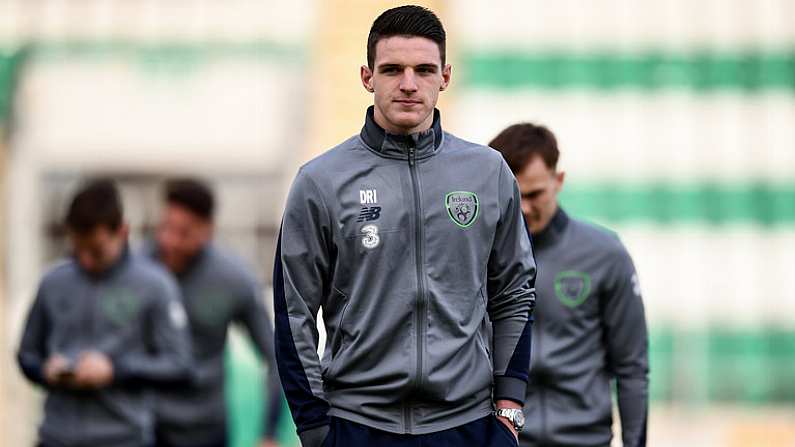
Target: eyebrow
{"points": [[424, 66], [532, 192], [428, 66], [386, 66]]}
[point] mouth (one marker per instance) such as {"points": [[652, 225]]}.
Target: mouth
{"points": [[407, 102]]}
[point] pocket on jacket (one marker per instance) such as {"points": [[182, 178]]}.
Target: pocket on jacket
{"points": [[336, 341]]}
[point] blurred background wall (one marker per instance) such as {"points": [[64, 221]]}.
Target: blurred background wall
{"points": [[676, 121]]}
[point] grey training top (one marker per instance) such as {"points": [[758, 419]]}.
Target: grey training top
{"points": [[415, 248], [218, 290], [133, 314], [590, 328]]}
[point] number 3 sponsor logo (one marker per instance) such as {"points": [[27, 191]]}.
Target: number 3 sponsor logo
{"points": [[370, 237]]}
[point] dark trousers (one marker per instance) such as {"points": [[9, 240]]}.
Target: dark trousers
{"points": [[484, 432], [216, 441], [41, 444]]}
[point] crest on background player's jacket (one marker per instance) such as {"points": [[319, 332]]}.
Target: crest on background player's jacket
{"points": [[572, 288]]}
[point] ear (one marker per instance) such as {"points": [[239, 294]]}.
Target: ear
{"points": [[447, 71], [210, 229], [560, 177], [367, 78], [124, 230]]}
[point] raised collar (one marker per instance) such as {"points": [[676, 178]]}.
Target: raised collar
{"points": [[554, 230], [397, 146]]}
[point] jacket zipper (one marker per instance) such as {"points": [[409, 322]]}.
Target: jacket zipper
{"points": [[420, 316]]}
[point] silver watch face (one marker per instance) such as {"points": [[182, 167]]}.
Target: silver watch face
{"points": [[518, 422], [514, 415]]}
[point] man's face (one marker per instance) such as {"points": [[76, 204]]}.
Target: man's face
{"points": [[180, 236], [100, 248], [539, 187], [406, 79]]}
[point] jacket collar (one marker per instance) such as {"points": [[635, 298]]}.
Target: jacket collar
{"points": [[111, 271], [554, 230], [396, 146]]}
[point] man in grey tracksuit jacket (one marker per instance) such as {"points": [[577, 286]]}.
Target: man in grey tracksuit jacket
{"points": [[412, 243], [591, 330], [218, 290], [127, 311], [415, 248]]}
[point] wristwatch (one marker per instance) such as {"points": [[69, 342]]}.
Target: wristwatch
{"points": [[514, 415]]}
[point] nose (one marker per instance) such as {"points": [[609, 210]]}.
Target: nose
{"points": [[407, 82], [527, 207], [87, 261], [166, 238]]}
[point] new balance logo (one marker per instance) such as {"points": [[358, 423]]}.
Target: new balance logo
{"points": [[369, 214]]}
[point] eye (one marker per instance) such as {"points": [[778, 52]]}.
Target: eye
{"points": [[390, 70]]}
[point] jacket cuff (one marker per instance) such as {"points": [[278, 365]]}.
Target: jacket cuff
{"points": [[314, 437], [510, 388]]}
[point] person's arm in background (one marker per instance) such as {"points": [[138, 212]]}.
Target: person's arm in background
{"points": [[511, 295], [627, 348], [32, 353], [168, 360], [303, 260], [254, 317]]}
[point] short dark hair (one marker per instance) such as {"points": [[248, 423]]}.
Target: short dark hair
{"points": [[191, 194], [409, 20], [521, 142], [96, 204]]}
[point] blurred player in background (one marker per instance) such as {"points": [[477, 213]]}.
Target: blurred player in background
{"points": [[590, 327], [411, 240], [104, 326], [217, 290]]}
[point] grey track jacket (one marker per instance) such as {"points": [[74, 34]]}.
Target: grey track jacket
{"points": [[415, 248], [590, 329], [217, 290], [131, 313]]}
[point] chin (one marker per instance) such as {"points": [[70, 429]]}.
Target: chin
{"points": [[407, 120]]}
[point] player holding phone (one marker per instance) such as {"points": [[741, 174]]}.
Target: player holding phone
{"points": [[103, 328]]}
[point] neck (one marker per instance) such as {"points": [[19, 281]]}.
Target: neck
{"points": [[111, 267], [190, 261], [553, 229]]}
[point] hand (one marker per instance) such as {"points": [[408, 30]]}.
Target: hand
{"points": [[268, 443], [55, 369], [504, 403], [93, 370]]}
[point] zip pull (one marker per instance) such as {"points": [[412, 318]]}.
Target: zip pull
{"points": [[411, 156]]}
